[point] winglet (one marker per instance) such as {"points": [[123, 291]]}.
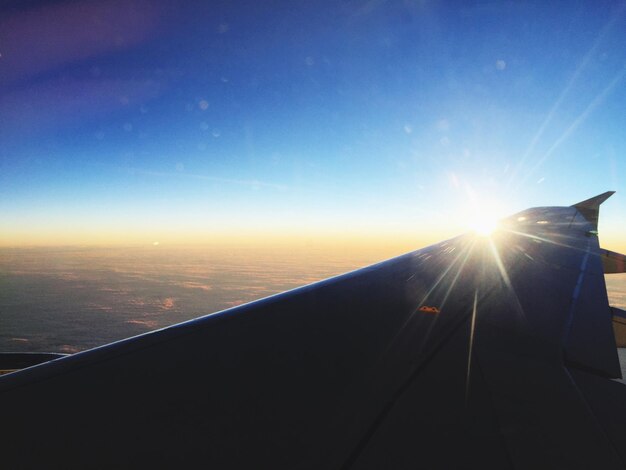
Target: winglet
{"points": [[590, 208]]}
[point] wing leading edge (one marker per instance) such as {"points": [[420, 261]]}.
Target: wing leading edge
{"points": [[475, 352]]}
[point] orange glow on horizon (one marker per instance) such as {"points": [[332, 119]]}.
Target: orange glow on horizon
{"points": [[396, 239]]}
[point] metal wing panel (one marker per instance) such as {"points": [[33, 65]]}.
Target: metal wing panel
{"points": [[275, 384], [607, 400], [528, 283], [561, 290]]}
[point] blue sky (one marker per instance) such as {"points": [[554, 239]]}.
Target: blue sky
{"points": [[181, 120]]}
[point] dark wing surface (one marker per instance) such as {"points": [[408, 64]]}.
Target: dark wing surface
{"points": [[479, 352]]}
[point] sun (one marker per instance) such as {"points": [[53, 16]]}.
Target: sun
{"points": [[484, 225], [483, 218], [480, 213]]}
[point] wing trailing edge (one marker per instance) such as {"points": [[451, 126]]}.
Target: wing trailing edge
{"points": [[619, 326], [613, 263]]}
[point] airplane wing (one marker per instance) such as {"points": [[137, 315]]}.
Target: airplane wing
{"points": [[478, 352]]}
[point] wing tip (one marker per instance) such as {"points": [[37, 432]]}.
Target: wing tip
{"points": [[590, 208], [594, 202]]}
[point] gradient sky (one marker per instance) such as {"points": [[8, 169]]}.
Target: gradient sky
{"points": [[180, 122]]}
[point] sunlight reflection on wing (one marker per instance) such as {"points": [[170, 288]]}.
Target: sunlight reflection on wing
{"points": [[468, 251], [465, 251], [505, 277], [471, 346], [543, 239]]}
